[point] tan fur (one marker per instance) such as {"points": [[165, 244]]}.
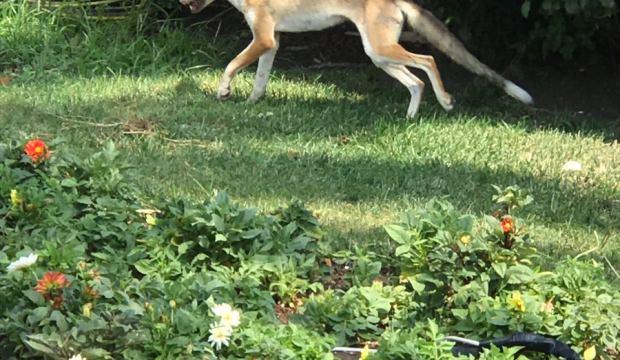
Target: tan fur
{"points": [[379, 22]]}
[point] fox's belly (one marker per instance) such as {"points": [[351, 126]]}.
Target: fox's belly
{"points": [[307, 22]]}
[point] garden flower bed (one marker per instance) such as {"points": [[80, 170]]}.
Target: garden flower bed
{"points": [[91, 269]]}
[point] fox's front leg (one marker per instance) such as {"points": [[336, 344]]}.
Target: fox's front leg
{"points": [[263, 42], [265, 64]]}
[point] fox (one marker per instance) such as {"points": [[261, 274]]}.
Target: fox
{"points": [[379, 23]]}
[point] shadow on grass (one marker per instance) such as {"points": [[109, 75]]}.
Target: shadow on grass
{"points": [[184, 111], [474, 96], [250, 173], [364, 95]]}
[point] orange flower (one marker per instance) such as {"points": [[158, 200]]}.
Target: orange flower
{"points": [[36, 150], [547, 306], [51, 285], [507, 224]]}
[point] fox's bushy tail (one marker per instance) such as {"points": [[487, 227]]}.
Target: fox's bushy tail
{"points": [[436, 33]]}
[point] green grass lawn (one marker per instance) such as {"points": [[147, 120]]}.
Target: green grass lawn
{"points": [[337, 140]]}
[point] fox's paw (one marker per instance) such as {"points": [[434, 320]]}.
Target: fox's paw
{"points": [[447, 102], [411, 114], [223, 94], [254, 98]]}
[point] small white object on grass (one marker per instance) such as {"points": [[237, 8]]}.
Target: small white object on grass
{"points": [[572, 165]]}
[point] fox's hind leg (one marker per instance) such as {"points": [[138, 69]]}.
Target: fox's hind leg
{"points": [[413, 84], [380, 32], [395, 53]]}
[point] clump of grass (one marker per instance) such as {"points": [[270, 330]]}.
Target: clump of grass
{"points": [[42, 41]]}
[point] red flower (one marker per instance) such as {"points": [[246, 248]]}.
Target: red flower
{"points": [[51, 285], [507, 224], [36, 150]]}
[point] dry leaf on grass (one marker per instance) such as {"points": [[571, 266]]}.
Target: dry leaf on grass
{"points": [[5, 80]]}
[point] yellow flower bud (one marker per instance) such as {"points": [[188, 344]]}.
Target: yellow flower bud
{"points": [[87, 309], [465, 239], [590, 353], [365, 352], [16, 198], [516, 302], [151, 220]]}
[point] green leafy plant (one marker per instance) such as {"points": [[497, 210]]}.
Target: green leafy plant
{"points": [[449, 258], [542, 28], [360, 312], [424, 341], [564, 26], [88, 268]]}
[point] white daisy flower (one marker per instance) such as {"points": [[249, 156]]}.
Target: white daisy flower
{"points": [[572, 166], [77, 357], [22, 263], [221, 309], [220, 336], [230, 319]]}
